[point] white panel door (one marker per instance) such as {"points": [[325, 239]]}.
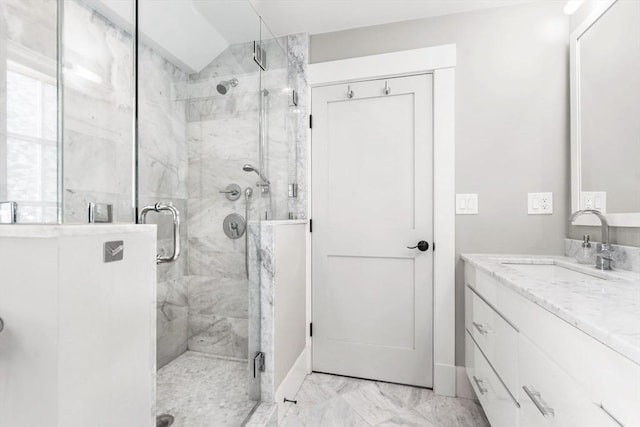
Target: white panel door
{"points": [[372, 167]]}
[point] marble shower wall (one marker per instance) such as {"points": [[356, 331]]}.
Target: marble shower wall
{"points": [[97, 114], [98, 147], [222, 136], [223, 133], [162, 175]]}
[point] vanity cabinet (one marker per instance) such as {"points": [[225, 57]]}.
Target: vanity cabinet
{"points": [[530, 368]]}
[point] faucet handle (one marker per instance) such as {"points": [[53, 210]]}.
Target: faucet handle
{"points": [[606, 252], [604, 257]]}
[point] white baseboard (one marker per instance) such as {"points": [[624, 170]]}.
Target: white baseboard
{"points": [[291, 383], [444, 380], [463, 386]]}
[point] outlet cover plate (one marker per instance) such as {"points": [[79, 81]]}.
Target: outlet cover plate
{"points": [[540, 203], [467, 204], [594, 200]]}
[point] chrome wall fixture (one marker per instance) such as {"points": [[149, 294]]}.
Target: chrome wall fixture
{"points": [[387, 88], [232, 192], [234, 226], [293, 102], [159, 207], [264, 182], [13, 211], [259, 55], [100, 213], [349, 92], [223, 87]]}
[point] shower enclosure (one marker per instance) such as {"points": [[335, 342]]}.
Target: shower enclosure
{"points": [[184, 113]]}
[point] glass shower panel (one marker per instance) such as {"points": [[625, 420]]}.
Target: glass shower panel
{"points": [[198, 111], [28, 111], [277, 141], [98, 108]]}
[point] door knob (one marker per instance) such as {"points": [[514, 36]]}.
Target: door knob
{"points": [[421, 246]]}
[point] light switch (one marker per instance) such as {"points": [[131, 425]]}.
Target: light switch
{"points": [[467, 204], [540, 203]]}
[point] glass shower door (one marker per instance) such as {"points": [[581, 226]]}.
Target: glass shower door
{"points": [[198, 123]]}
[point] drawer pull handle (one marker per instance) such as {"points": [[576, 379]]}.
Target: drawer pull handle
{"points": [[482, 328], [537, 400], [479, 383]]}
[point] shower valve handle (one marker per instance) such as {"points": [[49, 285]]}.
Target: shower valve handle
{"points": [[421, 246]]}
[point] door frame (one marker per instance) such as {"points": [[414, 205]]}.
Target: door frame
{"points": [[439, 61]]}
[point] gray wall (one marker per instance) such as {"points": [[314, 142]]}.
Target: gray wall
{"points": [[512, 120]]}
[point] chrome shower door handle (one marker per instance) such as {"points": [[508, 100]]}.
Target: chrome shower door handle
{"points": [[159, 207], [1, 324]]}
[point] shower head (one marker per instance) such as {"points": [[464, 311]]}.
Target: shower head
{"points": [[250, 168], [223, 86]]}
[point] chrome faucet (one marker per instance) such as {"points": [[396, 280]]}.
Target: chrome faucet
{"points": [[604, 252]]}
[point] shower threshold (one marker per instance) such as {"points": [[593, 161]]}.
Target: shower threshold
{"points": [[199, 389]]}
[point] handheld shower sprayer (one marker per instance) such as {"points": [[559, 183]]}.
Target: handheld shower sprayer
{"points": [[250, 168]]}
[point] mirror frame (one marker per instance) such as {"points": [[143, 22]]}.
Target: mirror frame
{"points": [[615, 219]]}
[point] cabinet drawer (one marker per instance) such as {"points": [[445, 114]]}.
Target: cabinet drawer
{"points": [[497, 339], [616, 384], [549, 397], [496, 401]]}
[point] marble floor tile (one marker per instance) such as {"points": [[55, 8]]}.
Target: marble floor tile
{"points": [[451, 412], [331, 400], [335, 412], [200, 390], [371, 404]]}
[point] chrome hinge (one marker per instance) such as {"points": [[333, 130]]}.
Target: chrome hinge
{"points": [[259, 55], [258, 363]]}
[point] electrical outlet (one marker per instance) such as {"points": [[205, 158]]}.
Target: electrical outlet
{"points": [[540, 203], [467, 204], [594, 200]]}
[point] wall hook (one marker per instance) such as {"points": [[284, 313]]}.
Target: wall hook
{"points": [[387, 88], [349, 92]]}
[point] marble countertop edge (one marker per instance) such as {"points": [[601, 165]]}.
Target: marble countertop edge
{"points": [[622, 336]]}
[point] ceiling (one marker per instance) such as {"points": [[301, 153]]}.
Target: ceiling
{"points": [[191, 33], [323, 16]]}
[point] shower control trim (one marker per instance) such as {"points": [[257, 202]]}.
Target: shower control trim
{"points": [[232, 192], [234, 226]]}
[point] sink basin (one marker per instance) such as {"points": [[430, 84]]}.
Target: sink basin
{"points": [[551, 272]]}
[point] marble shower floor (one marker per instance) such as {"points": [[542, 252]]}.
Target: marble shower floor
{"points": [[201, 390], [329, 400]]}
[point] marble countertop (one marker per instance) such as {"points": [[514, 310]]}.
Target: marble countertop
{"points": [[605, 305]]}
